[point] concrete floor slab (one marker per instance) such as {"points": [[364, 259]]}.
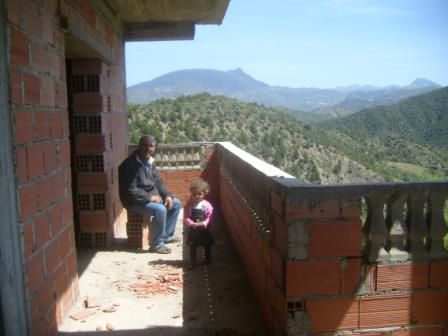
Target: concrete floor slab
{"points": [[140, 293]]}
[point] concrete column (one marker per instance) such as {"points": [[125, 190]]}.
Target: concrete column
{"points": [[438, 228], [12, 288], [398, 230], [417, 227], [377, 229]]}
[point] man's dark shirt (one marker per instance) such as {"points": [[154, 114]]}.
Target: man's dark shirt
{"points": [[138, 182]]}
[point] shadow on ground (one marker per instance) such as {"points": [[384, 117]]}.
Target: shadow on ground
{"points": [[213, 299]]}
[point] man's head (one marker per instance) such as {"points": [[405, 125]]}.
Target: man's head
{"points": [[146, 147]]}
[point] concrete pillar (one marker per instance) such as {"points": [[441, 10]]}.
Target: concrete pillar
{"points": [[12, 291]]}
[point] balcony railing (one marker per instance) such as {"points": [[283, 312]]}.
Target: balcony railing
{"points": [[306, 246], [179, 156], [252, 180], [403, 221]]}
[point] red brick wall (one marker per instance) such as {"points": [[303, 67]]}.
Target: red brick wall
{"points": [[327, 287], [100, 129], [38, 104], [339, 291], [264, 261], [178, 180]]}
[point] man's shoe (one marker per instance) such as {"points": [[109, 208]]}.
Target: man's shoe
{"points": [[172, 240], [160, 250]]}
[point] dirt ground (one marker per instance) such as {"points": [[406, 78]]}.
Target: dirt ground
{"points": [[140, 293]]}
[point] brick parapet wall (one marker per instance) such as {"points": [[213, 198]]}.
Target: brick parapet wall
{"points": [[323, 268], [263, 259], [330, 288], [38, 105], [333, 287], [178, 180], [258, 229]]}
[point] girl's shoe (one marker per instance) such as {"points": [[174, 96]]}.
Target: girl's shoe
{"points": [[160, 250]]}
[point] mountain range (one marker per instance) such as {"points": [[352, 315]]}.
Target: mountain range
{"points": [[397, 139], [422, 119], [406, 141], [325, 103]]}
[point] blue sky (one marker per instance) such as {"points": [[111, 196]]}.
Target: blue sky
{"points": [[311, 43]]}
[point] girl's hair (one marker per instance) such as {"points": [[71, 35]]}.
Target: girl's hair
{"points": [[200, 185]]}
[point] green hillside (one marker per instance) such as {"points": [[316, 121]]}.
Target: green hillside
{"points": [[311, 153], [422, 119], [408, 140]]}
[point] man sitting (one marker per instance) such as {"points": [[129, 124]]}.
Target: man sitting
{"points": [[142, 191]]}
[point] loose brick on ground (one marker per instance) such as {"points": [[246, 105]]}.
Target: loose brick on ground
{"points": [[91, 302], [81, 314], [161, 284]]}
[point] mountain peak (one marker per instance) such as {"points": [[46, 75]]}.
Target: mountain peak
{"points": [[419, 83], [237, 71], [194, 81]]}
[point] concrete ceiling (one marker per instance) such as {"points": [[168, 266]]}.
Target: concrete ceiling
{"points": [[159, 20], [197, 11], [143, 20]]}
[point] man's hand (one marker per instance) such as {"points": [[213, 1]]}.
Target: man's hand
{"points": [[156, 199], [169, 202]]}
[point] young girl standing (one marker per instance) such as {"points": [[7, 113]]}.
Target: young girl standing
{"points": [[197, 216]]}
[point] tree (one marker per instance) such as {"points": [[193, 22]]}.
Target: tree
{"points": [[337, 168]]}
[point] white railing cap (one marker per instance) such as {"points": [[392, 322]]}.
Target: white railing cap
{"points": [[262, 166]]}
